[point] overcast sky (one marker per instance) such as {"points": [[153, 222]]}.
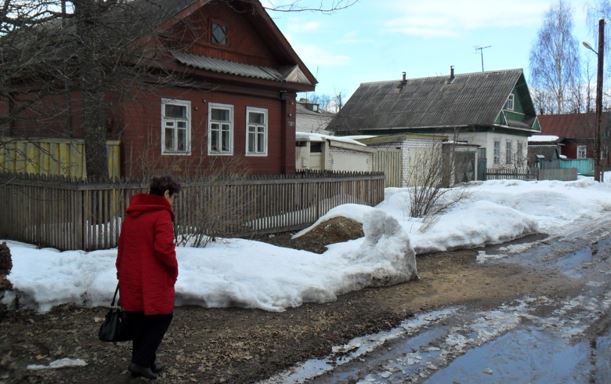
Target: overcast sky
{"points": [[378, 39]]}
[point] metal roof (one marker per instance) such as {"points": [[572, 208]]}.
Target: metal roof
{"points": [[572, 125], [293, 74], [430, 102]]}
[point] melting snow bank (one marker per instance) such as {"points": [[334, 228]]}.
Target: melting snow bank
{"points": [[61, 363], [236, 272], [491, 212], [227, 273]]}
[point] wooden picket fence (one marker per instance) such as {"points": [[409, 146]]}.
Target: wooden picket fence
{"points": [[73, 214], [532, 173], [525, 173]]}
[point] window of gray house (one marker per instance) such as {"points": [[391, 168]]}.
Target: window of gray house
{"points": [[508, 152], [497, 152], [582, 152], [520, 154], [509, 103]]}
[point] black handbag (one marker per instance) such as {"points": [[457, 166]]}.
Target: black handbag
{"points": [[115, 327]]}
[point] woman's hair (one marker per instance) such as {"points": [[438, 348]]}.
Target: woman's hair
{"points": [[164, 183]]}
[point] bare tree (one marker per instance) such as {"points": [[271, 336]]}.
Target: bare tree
{"points": [[424, 176], [323, 6], [51, 49], [56, 55], [554, 62]]}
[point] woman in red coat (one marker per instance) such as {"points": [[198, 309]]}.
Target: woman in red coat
{"points": [[147, 270]]}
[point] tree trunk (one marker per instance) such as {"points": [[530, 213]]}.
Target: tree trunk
{"points": [[93, 115]]}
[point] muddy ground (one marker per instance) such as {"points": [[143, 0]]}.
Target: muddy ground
{"points": [[243, 346]]}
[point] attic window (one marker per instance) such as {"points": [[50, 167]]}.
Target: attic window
{"points": [[219, 34], [509, 103]]}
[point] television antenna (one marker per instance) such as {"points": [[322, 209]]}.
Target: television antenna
{"points": [[481, 52]]}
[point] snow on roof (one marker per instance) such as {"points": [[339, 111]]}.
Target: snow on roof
{"points": [[542, 138], [359, 137], [318, 137]]}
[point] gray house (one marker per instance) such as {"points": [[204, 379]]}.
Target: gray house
{"points": [[492, 110]]}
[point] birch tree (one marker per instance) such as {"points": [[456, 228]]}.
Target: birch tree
{"points": [[555, 64]]}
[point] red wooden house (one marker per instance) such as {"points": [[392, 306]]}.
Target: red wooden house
{"points": [[577, 133], [231, 97]]}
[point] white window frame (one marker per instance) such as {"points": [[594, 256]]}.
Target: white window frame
{"points": [[510, 103], [227, 107], [496, 155], [582, 152], [508, 152], [164, 120], [265, 132]]}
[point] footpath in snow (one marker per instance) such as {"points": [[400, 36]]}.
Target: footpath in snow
{"points": [[250, 274]]}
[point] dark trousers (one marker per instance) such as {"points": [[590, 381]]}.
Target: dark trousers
{"points": [[148, 331]]}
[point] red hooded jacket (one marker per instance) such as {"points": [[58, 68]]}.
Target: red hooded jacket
{"points": [[146, 260]]}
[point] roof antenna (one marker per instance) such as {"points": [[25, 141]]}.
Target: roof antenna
{"points": [[481, 52]]}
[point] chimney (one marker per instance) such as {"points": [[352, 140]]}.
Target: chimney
{"points": [[451, 73], [403, 81]]}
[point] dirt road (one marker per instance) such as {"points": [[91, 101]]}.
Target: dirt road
{"points": [[243, 346]]}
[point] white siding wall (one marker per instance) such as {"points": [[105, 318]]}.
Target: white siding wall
{"points": [[333, 158], [345, 160], [487, 139], [413, 149]]}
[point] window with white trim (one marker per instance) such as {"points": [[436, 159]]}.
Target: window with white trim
{"points": [[256, 131], [175, 127], [509, 103], [497, 152], [218, 33], [220, 129], [582, 152], [508, 152]]}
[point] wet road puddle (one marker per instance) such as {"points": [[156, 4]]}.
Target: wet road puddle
{"points": [[528, 356]]}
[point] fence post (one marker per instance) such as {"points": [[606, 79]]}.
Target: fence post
{"points": [[318, 199]]}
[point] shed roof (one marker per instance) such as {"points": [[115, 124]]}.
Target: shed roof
{"points": [[400, 137], [469, 99]]}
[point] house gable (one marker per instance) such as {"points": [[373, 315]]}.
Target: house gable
{"points": [[195, 34], [518, 109], [236, 38]]}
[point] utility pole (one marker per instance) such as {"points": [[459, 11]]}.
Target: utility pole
{"points": [[599, 97], [481, 52]]}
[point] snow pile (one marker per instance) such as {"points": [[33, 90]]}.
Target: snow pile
{"points": [[491, 212], [250, 274], [229, 273], [274, 278], [47, 277], [386, 240]]}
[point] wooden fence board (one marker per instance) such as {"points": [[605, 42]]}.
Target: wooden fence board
{"points": [[69, 214]]}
